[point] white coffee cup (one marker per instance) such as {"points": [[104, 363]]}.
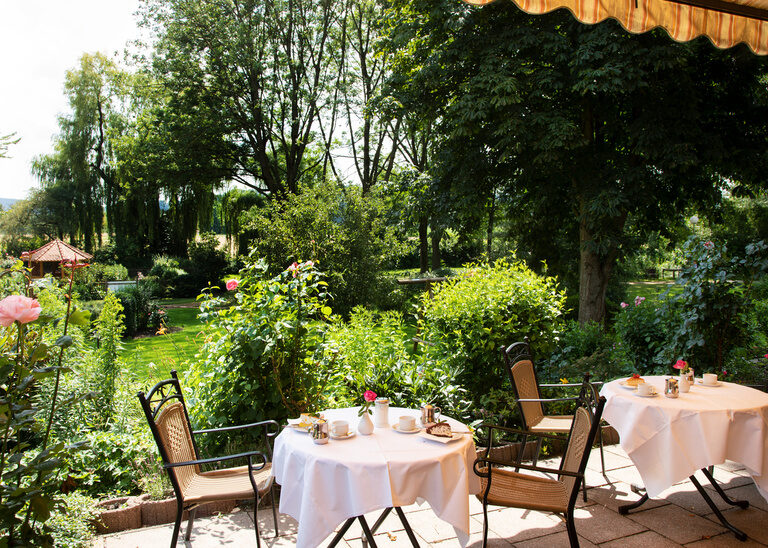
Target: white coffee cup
{"points": [[406, 423], [645, 389], [709, 378], [339, 428]]}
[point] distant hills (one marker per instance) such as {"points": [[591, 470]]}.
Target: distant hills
{"points": [[7, 203]]}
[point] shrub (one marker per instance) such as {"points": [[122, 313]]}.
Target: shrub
{"points": [[471, 316], [644, 332], [714, 303], [166, 273], [109, 330], [341, 231], [72, 523], [265, 355], [207, 264], [584, 349], [90, 282], [373, 354], [141, 311]]}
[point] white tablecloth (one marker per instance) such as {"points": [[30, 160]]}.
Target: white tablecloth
{"points": [[323, 485], [669, 439]]}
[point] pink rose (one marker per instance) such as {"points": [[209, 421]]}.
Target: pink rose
{"points": [[17, 308], [680, 364], [639, 300], [369, 395], [766, 356], [293, 268], [708, 245], [232, 285], [624, 305], [308, 263]]}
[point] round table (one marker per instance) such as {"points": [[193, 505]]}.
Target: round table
{"points": [[670, 439], [324, 485]]}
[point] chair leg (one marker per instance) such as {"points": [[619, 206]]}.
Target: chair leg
{"points": [[521, 452], [573, 538], [538, 451], [177, 525], [274, 509], [602, 453], [191, 520], [256, 520], [485, 524]]}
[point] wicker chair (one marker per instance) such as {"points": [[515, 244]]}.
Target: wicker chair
{"points": [[522, 374], [167, 415], [506, 487]]}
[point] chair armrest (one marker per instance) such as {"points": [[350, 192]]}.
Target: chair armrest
{"points": [[560, 385], [545, 470], [266, 424], [491, 427], [247, 455], [547, 399]]}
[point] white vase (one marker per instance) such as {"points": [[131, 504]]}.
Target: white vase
{"points": [[365, 426], [685, 385]]}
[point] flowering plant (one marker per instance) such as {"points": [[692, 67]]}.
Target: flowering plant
{"points": [[369, 396], [682, 365]]}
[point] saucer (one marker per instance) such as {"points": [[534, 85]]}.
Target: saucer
{"points": [[346, 436], [396, 428], [700, 382], [624, 384], [651, 395]]}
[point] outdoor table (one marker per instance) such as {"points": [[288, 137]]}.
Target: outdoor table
{"points": [[669, 439], [324, 485]]}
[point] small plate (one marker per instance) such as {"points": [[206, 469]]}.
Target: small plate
{"points": [[700, 382], [346, 436], [653, 395], [627, 386], [299, 428], [455, 436], [396, 428]]}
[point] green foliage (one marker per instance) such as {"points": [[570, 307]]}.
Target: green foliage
{"points": [[90, 283], [714, 302], [142, 313], [165, 274], [584, 349], [72, 523], [30, 461], [207, 265], [644, 331], [339, 230], [109, 330], [265, 355], [373, 354], [490, 305]]}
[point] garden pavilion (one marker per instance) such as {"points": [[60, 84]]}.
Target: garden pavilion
{"points": [[48, 258]]}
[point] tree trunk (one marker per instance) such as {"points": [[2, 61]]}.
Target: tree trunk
{"points": [[423, 244], [491, 220], [437, 258], [594, 273]]}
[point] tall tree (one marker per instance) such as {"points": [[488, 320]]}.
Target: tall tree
{"points": [[263, 68], [588, 123]]}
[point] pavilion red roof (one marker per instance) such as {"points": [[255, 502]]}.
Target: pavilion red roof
{"points": [[57, 251]]}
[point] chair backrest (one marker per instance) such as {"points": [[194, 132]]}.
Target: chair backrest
{"points": [[586, 421], [167, 416], [519, 363]]}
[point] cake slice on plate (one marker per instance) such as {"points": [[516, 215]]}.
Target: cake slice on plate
{"points": [[440, 429]]}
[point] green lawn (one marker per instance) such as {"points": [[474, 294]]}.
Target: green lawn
{"points": [[650, 289], [168, 351]]}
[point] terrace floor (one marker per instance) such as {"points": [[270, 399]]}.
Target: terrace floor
{"points": [[679, 518]]}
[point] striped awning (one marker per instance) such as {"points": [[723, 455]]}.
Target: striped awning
{"points": [[725, 22]]}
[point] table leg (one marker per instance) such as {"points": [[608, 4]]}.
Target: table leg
{"points": [[624, 510], [367, 532], [342, 531], [407, 526], [381, 519], [743, 504], [738, 532]]}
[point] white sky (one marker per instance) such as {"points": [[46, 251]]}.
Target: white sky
{"points": [[39, 41]]}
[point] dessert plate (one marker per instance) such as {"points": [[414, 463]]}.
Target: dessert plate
{"points": [[652, 395], [700, 382], [396, 428], [454, 436], [627, 386], [346, 436]]}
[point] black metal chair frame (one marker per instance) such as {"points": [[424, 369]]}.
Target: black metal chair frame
{"points": [[520, 351], [169, 390], [368, 532], [595, 413]]}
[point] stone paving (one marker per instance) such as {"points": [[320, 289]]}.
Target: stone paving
{"points": [[680, 517]]}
